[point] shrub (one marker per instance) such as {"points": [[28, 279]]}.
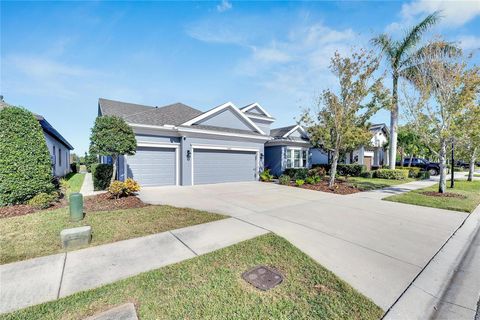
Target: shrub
{"points": [[423, 175], [299, 182], [318, 171], [297, 173], [102, 174], [25, 163], [284, 179], [352, 170], [90, 160], [74, 167], [413, 172], [116, 189], [396, 174], [325, 166], [43, 200], [367, 174], [131, 186], [63, 186], [310, 180], [266, 176]]}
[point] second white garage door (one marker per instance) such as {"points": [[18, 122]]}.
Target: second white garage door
{"points": [[217, 166]]}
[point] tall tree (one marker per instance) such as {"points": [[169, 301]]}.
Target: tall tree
{"points": [[339, 123], [469, 135], [399, 55], [447, 89], [112, 136]]}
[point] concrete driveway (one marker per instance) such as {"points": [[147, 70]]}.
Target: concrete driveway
{"points": [[376, 246]]}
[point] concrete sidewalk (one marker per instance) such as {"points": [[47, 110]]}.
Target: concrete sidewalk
{"points": [[87, 186], [48, 278]]}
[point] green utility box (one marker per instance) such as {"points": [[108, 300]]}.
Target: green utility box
{"points": [[76, 206]]}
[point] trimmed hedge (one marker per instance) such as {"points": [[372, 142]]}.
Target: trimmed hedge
{"points": [[423, 175], [74, 167], [352, 170], [102, 174], [25, 165], [296, 173], [284, 179], [367, 174], [396, 174], [413, 172]]}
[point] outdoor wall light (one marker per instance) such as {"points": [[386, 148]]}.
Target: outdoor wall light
{"points": [[261, 156], [189, 154]]}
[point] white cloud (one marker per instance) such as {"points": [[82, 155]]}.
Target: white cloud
{"points": [[469, 42], [455, 13], [225, 5]]}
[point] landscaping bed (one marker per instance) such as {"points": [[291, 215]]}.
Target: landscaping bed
{"points": [[464, 197], [211, 287], [340, 187], [34, 235]]}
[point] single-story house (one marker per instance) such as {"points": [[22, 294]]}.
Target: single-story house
{"points": [[374, 155], [58, 146], [181, 145]]}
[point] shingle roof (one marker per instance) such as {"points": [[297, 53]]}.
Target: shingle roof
{"points": [[280, 132], [379, 126], [174, 114]]}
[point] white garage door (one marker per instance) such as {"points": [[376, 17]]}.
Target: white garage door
{"points": [[153, 166], [217, 166]]}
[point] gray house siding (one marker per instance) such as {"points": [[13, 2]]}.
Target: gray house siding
{"points": [[319, 156], [262, 124], [226, 119], [60, 156], [273, 159]]}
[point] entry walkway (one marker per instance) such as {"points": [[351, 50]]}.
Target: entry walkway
{"points": [[48, 278]]}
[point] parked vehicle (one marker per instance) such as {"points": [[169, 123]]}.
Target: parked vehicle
{"points": [[463, 164], [432, 167]]}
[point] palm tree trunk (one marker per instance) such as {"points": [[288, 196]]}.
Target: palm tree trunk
{"points": [[394, 122], [442, 186]]}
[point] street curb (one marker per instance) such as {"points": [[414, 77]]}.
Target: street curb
{"points": [[423, 295]]}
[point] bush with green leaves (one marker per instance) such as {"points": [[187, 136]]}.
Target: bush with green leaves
{"points": [[422, 175], [102, 174], [43, 200], [351, 170], [90, 159], [297, 173], [395, 174], [317, 171], [74, 167], [299, 182], [413, 172], [284, 179], [25, 163], [367, 174], [266, 176]]}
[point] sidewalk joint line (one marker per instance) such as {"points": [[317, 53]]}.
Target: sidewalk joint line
{"points": [[183, 243], [61, 276], [253, 224], [424, 267]]}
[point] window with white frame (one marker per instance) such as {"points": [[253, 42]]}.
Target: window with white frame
{"points": [[296, 158]]}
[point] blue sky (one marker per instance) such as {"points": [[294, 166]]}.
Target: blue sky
{"points": [[58, 58]]}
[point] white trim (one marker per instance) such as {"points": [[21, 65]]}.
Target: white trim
{"points": [[224, 134], [227, 148], [297, 127], [178, 130], [253, 105], [175, 146], [260, 118], [220, 108], [292, 159]]}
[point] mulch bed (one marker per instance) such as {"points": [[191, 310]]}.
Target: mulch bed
{"points": [[101, 202], [443, 195], [340, 187]]}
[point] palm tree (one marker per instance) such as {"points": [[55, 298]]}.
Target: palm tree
{"points": [[399, 55]]}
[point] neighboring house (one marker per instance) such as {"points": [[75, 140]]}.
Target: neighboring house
{"points": [[58, 146], [373, 155], [291, 148], [181, 145]]}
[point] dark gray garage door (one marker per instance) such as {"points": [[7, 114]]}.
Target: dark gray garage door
{"points": [[216, 166], [153, 166]]}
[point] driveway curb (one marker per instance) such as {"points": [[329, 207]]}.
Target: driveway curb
{"points": [[423, 296]]}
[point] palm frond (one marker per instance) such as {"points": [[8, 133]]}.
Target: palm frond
{"points": [[385, 43], [441, 49], [414, 35]]}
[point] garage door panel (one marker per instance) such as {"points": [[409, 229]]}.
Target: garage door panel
{"points": [[153, 166], [216, 166]]}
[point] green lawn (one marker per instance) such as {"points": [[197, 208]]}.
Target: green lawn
{"points": [[211, 287], [477, 175], [38, 234], [366, 184], [470, 189], [75, 181]]}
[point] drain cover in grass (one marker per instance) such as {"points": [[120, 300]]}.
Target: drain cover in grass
{"points": [[263, 278]]}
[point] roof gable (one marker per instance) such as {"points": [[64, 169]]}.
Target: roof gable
{"points": [[294, 131], [226, 115], [255, 109]]}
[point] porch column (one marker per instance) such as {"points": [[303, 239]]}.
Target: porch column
{"points": [[361, 155]]}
